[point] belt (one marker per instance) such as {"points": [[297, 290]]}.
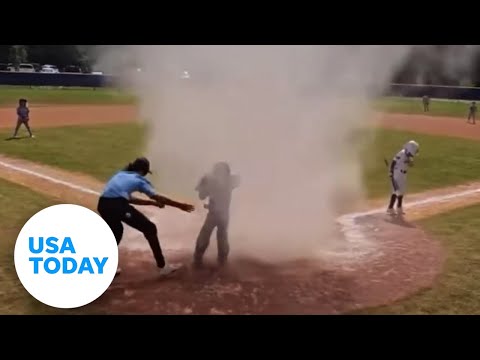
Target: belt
{"points": [[403, 171]]}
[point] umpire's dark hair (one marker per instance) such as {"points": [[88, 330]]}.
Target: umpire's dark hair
{"points": [[140, 165]]}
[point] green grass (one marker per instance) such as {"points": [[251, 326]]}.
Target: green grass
{"points": [[19, 204], [415, 106], [457, 290], [97, 151], [9, 96], [442, 161], [101, 150]]}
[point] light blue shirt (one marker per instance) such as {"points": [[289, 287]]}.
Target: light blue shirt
{"points": [[124, 183]]}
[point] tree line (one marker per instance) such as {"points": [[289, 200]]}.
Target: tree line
{"points": [[59, 55], [456, 65]]}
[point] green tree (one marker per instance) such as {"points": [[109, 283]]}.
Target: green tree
{"points": [[18, 54], [4, 53], [59, 55]]}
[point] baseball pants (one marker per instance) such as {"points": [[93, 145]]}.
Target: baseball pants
{"points": [[471, 117], [213, 221], [399, 183], [116, 211], [19, 123]]}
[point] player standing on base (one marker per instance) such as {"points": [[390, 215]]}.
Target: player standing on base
{"points": [[398, 175]]}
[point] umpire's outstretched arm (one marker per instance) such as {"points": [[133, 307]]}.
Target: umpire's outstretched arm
{"points": [[169, 202], [162, 201]]}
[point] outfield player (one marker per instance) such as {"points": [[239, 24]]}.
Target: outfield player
{"points": [[23, 117], [472, 111], [398, 175], [426, 103], [217, 187], [114, 206]]}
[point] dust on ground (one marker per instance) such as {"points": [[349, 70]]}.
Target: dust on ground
{"points": [[405, 259]]}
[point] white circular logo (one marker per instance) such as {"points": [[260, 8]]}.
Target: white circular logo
{"points": [[66, 256]]}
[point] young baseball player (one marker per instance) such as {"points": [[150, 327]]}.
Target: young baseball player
{"points": [[23, 116], [114, 206], [426, 103], [217, 186], [398, 175], [472, 111]]}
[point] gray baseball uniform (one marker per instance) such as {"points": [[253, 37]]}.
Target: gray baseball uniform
{"points": [[219, 193], [426, 103], [471, 113]]}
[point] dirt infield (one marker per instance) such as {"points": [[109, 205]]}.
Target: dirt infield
{"points": [[433, 125], [400, 265], [64, 115], [51, 116], [403, 258]]}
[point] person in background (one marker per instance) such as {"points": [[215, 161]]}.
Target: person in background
{"points": [[217, 186], [426, 103], [472, 111], [23, 117]]}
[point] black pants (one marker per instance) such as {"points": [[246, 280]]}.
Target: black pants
{"points": [[117, 210]]}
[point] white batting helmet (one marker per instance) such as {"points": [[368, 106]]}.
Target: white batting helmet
{"points": [[411, 147]]}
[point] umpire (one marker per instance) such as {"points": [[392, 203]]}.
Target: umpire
{"points": [[114, 206]]}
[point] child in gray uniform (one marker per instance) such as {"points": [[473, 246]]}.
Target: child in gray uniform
{"points": [[23, 116], [471, 113], [426, 103], [217, 187]]}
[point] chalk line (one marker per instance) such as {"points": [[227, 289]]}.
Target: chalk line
{"points": [[352, 231], [49, 178]]}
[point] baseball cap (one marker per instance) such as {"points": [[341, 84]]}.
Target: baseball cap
{"points": [[142, 163]]}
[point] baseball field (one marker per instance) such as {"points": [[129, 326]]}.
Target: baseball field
{"points": [[424, 264]]}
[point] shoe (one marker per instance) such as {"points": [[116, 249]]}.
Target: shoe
{"points": [[118, 272], [400, 211], [169, 269], [390, 212], [32, 136]]}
